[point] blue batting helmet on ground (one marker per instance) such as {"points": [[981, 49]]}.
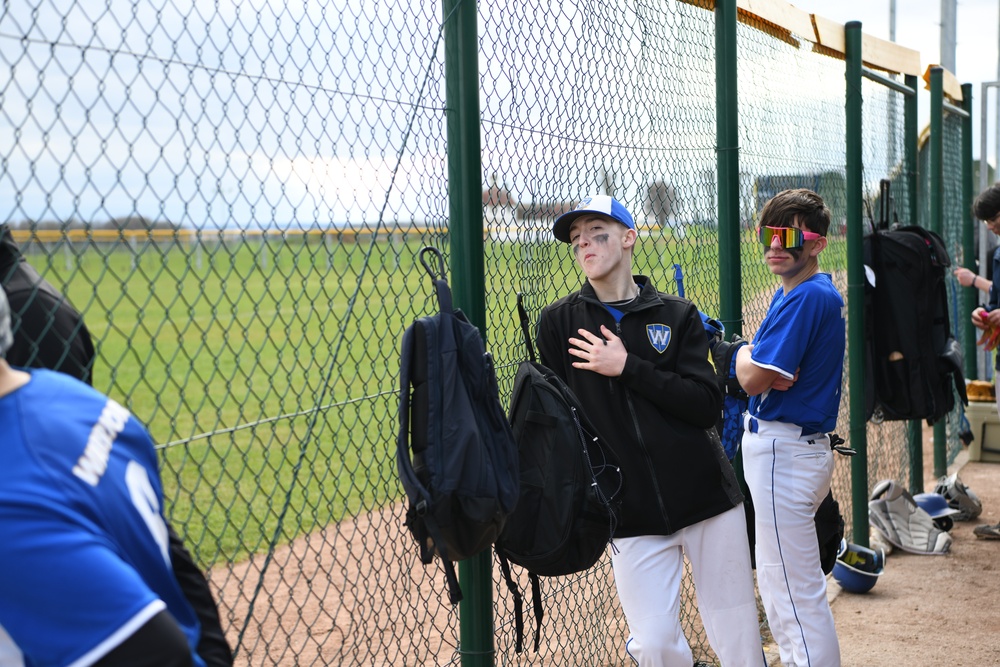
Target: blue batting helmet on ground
{"points": [[857, 567], [937, 506]]}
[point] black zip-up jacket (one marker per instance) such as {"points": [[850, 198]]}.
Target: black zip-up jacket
{"points": [[656, 413]]}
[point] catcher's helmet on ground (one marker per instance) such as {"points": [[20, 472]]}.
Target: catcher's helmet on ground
{"points": [[959, 497], [937, 506], [857, 567]]}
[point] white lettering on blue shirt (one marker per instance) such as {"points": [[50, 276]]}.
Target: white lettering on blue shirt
{"points": [[92, 464]]}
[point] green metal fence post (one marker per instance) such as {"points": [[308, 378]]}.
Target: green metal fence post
{"points": [[936, 168], [911, 150], [911, 139], [970, 295], [727, 137], [856, 287], [468, 274], [727, 161]]}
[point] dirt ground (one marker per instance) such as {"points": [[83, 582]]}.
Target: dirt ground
{"points": [[925, 611], [931, 610]]}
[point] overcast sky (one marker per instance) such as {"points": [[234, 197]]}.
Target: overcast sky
{"points": [[918, 26], [230, 114]]}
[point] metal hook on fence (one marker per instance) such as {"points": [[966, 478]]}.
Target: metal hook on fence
{"points": [[430, 270]]}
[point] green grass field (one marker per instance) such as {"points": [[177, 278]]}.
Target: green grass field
{"points": [[269, 374]]}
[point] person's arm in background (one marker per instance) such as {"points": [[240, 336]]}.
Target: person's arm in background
{"points": [[990, 315], [160, 642], [213, 647], [966, 278]]}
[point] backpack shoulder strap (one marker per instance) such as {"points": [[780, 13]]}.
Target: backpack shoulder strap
{"points": [[405, 464], [536, 601], [420, 503], [454, 589], [515, 594], [733, 386], [443, 297], [525, 326]]}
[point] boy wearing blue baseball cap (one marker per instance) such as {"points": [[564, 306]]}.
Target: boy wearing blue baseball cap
{"points": [[637, 359], [792, 372]]}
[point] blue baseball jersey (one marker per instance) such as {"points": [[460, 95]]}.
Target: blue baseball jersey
{"points": [[805, 332], [84, 561]]}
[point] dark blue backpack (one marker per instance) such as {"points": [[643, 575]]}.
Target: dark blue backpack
{"points": [[729, 428], [730, 425], [455, 451]]}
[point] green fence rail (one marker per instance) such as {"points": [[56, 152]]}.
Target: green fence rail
{"points": [[234, 196]]}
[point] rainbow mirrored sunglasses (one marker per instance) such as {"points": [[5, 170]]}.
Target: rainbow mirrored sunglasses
{"points": [[789, 237]]}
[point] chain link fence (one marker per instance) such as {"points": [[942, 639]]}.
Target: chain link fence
{"points": [[582, 99], [883, 157], [234, 195], [955, 216]]}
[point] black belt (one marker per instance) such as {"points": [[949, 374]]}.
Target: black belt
{"points": [[836, 442], [804, 431]]}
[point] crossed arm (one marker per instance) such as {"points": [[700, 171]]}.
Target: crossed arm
{"points": [[755, 379]]}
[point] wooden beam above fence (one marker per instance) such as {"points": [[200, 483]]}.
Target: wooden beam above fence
{"points": [[889, 56], [783, 20], [780, 13], [877, 53], [775, 17], [952, 87]]}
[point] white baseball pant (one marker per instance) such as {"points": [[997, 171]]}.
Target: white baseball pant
{"points": [[789, 475], [648, 572]]}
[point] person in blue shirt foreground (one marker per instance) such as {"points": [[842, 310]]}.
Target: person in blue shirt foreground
{"points": [[48, 332], [792, 372], [85, 571]]}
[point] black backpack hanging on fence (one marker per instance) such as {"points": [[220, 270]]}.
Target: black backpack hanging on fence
{"points": [[913, 358], [455, 451], [570, 484]]}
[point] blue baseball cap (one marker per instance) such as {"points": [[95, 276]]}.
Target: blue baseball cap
{"points": [[605, 205]]}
